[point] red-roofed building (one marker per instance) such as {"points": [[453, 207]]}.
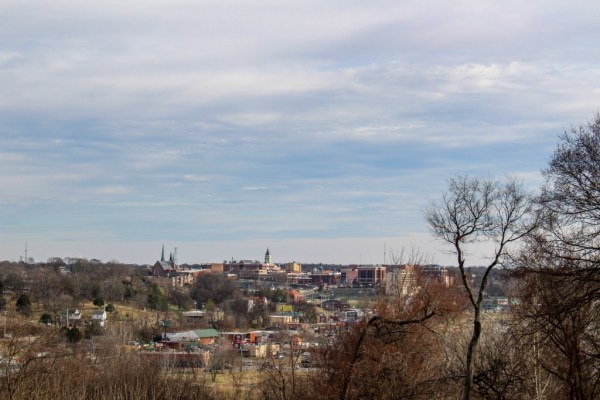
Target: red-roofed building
{"points": [[295, 296]]}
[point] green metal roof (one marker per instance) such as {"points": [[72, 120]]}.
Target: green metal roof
{"points": [[206, 333]]}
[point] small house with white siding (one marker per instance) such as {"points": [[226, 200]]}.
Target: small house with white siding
{"points": [[100, 317]]}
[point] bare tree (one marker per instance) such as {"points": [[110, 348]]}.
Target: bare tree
{"points": [[475, 211], [562, 329], [46, 287], [412, 256], [570, 199], [561, 267], [280, 377]]}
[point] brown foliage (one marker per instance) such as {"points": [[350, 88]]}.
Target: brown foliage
{"points": [[44, 367], [398, 353]]}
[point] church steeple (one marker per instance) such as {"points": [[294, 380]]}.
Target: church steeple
{"points": [[162, 257], [268, 257]]}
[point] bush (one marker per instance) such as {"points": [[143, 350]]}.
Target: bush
{"points": [[94, 329], [98, 301], [73, 334], [46, 319], [24, 305]]}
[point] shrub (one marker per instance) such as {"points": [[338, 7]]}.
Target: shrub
{"points": [[46, 319], [73, 334], [24, 305]]}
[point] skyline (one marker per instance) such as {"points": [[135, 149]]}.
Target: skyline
{"points": [[318, 130]]}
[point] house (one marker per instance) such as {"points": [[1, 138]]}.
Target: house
{"points": [[70, 317], [100, 317], [263, 350], [295, 296]]}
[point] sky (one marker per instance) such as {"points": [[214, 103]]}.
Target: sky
{"points": [[318, 129]]}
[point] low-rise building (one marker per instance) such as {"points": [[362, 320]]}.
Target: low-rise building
{"points": [[326, 278], [401, 281], [371, 274], [193, 337], [349, 275], [254, 270], [295, 296], [281, 320], [292, 267], [407, 279]]}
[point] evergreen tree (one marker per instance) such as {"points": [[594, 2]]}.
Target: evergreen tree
{"points": [[98, 302], [46, 319], [24, 305], [157, 299]]}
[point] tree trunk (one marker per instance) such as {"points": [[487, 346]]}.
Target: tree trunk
{"points": [[471, 355]]}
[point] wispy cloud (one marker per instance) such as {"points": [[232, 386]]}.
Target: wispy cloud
{"points": [[114, 190]]}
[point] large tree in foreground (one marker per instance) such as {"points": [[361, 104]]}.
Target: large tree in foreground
{"points": [[561, 268], [476, 211]]}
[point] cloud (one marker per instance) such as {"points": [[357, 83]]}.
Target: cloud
{"points": [[230, 119], [114, 190]]}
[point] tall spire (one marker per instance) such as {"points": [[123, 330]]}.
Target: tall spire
{"points": [[162, 257], [268, 257]]}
